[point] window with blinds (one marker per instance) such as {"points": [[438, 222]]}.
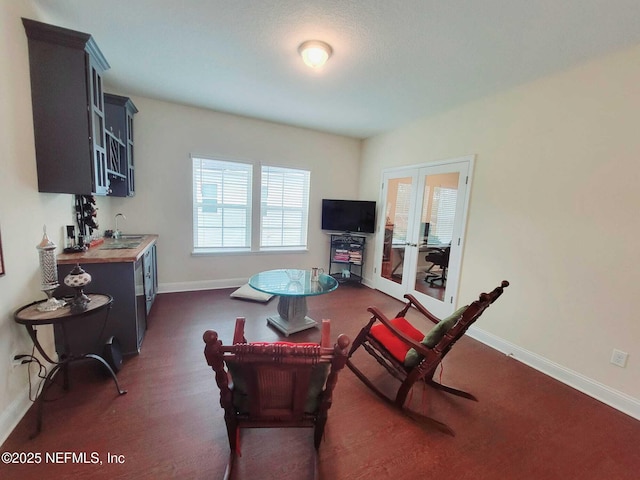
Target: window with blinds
{"points": [[221, 205], [284, 207]]}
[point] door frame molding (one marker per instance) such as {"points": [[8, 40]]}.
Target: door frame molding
{"points": [[449, 303]]}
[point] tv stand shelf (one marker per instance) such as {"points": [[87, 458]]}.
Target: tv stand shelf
{"points": [[346, 257]]}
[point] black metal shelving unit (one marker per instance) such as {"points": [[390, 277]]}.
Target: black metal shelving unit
{"points": [[346, 257]]}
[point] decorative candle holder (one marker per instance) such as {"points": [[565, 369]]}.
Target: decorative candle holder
{"points": [[78, 279], [48, 273]]}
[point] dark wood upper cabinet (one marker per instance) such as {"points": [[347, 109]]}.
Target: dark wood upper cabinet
{"points": [[119, 112], [68, 109]]}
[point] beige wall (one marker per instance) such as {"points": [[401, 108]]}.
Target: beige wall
{"points": [[553, 210], [166, 134]]}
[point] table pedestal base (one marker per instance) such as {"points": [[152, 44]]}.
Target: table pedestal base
{"points": [[288, 327], [293, 315]]}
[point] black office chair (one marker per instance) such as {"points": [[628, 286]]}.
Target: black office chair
{"points": [[439, 257]]}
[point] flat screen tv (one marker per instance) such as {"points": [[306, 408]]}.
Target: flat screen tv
{"points": [[357, 216]]}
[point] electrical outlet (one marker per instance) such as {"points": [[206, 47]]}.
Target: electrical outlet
{"points": [[17, 359], [619, 358]]}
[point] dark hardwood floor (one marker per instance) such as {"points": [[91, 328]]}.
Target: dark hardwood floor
{"points": [[170, 425]]}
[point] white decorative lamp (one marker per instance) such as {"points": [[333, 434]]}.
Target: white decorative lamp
{"points": [[48, 273], [78, 279], [315, 53]]}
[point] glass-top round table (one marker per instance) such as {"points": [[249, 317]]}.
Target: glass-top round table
{"points": [[292, 287]]}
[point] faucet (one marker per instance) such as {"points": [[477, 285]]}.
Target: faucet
{"points": [[117, 233]]}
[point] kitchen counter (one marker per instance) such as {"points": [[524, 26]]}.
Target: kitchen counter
{"points": [[99, 254]]}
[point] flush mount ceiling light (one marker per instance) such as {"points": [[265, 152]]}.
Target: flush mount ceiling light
{"points": [[315, 53]]}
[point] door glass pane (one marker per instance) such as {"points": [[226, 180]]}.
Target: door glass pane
{"points": [[398, 201], [437, 217]]}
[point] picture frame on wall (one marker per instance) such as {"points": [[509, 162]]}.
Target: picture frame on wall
{"points": [[1, 257]]}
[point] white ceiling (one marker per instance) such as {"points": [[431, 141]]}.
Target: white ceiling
{"points": [[393, 61]]}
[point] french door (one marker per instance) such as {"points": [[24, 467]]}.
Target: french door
{"points": [[421, 232]]}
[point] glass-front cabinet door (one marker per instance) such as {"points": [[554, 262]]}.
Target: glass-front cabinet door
{"points": [[423, 219]]}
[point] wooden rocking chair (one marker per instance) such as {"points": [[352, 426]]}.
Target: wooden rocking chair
{"points": [[409, 355], [274, 385]]}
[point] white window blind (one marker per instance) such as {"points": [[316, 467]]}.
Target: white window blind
{"points": [[401, 219], [443, 213], [284, 207], [221, 204]]}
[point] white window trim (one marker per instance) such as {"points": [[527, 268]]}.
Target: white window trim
{"points": [[255, 227]]}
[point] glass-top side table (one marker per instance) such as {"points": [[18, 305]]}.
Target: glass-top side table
{"points": [[31, 317], [292, 287]]}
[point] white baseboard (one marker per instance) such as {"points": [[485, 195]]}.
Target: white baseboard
{"points": [[13, 414], [367, 282], [618, 400], [201, 285]]}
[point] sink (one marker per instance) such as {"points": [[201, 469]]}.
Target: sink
{"points": [[122, 242], [120, 245]]}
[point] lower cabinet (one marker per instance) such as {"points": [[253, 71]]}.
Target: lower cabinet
{"points": [[132, 285]]}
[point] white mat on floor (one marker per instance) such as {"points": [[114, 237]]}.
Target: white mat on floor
{"points": [[246, 292]]}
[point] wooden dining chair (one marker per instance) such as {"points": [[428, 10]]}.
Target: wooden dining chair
{"points": [[275, 385], [410, 355]]}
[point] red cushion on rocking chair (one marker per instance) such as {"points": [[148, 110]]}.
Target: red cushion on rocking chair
{"points": [[392, 343]]}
